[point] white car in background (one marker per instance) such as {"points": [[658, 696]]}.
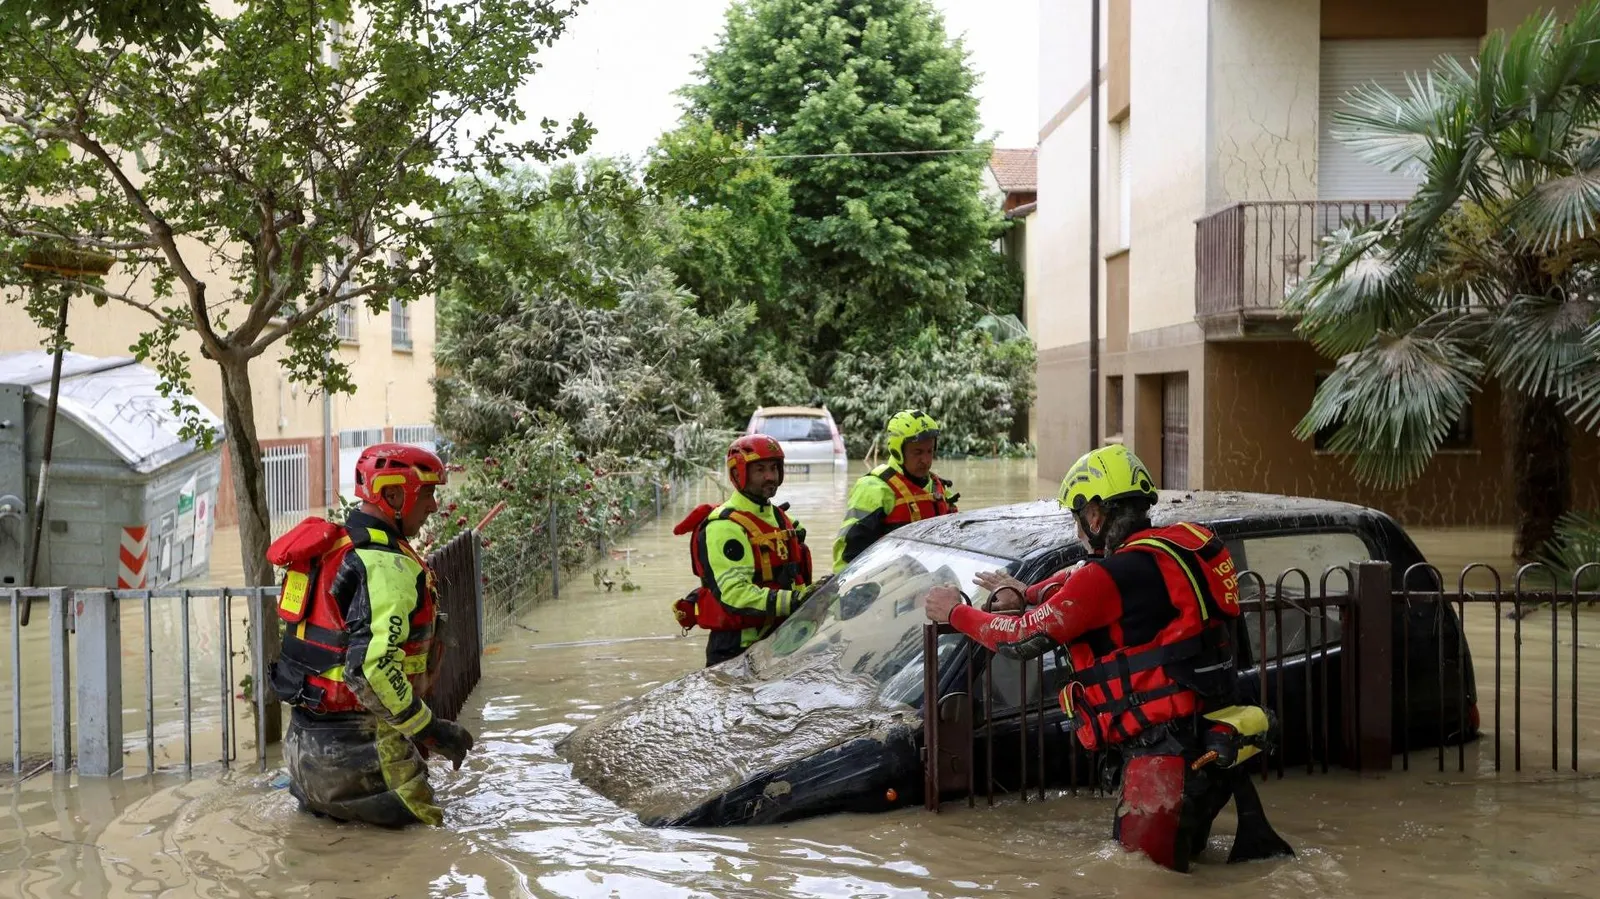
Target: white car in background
{"points": [[807, 434]]}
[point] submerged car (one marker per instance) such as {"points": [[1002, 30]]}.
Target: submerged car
{"points": [[825, 715], [807, 434]]}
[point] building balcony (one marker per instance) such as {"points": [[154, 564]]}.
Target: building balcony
{"points": [[1250, 256]]}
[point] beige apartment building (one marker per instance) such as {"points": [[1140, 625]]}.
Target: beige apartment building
{"points": [[391, 359], [1218, 174]]}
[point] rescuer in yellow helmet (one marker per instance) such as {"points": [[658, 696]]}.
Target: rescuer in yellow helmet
{"points": [[900, 491]]}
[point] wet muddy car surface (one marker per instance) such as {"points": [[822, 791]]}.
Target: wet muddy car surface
{"points": [[825, 715]]}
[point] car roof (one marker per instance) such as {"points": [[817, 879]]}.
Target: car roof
{"points": [[1020, 530], [812, 411]]}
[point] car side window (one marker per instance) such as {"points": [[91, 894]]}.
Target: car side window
{"points": [[1312, 553], [1007, 694]]}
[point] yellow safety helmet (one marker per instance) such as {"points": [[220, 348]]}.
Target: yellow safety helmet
{"points": [[1110, 472], [911, 424]]}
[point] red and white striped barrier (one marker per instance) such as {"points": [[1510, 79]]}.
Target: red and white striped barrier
{"points": [[135, 552]]}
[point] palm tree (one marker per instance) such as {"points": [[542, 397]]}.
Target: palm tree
{"points": [[1488, 274]]}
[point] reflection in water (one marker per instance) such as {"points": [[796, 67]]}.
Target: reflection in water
{"points": [[518, 825]]}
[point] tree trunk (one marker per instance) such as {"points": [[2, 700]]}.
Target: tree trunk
{"points": [[1539, 455], [249, 477], [255, 528]]}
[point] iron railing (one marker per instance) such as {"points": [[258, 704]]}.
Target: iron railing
{"points": [[25, 699], [533, 554], [91, 623], [1357, 700], [1250, 256]]}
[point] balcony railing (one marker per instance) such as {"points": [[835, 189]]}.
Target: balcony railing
{"points": [[1250, 256]]}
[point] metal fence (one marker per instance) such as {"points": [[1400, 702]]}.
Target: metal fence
{"points": [[1362, 670], [532, 554], [421, 435], [192, 645], [287, 470], [1250, 256]]}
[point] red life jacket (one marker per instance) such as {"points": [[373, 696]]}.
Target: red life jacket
{"points": [[911, 502], [310, 667], [1171, 653], [782, 562]]}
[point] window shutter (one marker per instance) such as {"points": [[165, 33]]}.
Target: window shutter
{"points": [[1346, 65]]}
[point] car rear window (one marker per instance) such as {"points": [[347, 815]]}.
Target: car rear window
{"points": [[795, 427]]}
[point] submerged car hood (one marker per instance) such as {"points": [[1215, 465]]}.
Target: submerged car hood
{"points": [[670, 751]]}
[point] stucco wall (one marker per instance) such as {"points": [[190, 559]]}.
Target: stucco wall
{"points": [[1264, 82], [1168, 123], [1063, 54], [393, 387], [1061, 232], [1061, 419], [1256, 394]]}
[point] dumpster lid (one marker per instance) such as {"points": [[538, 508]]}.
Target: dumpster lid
{"points": [[114, 398]]}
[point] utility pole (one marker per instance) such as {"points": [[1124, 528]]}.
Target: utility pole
{"points": [[1094, 223], [330, 460]]}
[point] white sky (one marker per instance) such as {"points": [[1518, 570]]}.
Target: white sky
{"points": [[621, 61]]}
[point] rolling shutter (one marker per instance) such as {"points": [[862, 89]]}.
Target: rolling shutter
{"points": [[1346, 65]]}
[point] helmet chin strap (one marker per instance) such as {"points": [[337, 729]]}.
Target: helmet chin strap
{"points": [[1097, 538], [391, 513]]}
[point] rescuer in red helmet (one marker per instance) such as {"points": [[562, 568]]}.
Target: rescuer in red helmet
{"points": [[358, 606], [750, 556]]}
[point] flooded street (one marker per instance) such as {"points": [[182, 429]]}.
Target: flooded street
{"points": [[517, 824]]}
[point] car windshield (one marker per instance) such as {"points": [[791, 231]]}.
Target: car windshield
{"points": [[869, 618], [795, 427]]}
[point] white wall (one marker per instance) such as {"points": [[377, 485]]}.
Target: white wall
{"points": [[1167, 94], [1064, 52], [1060, 234], [1264, 96]]}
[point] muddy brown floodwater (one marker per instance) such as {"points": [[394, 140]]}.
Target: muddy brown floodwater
{"points": [[518, 825]]}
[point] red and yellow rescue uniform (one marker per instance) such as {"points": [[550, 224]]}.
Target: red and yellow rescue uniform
{"points": [[359, 613], [754, 568], [1147, 630], [883, 500]]}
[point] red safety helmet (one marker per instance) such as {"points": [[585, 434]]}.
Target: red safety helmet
{"points": [[753, 448], [396, 465]]}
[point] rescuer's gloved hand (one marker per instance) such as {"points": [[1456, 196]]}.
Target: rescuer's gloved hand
{"points": [[447, 738]]}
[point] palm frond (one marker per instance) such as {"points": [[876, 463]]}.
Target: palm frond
{"points": [[1582, 31], [1393, 403], [1573, 56], [1398, 132], [1518, 76], [1359, 287], [1583, 397], [1576, 544], [1557, 211], [1536, 343]]}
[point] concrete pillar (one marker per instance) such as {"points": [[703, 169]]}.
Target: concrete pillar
{"points": [[99, 683]]}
